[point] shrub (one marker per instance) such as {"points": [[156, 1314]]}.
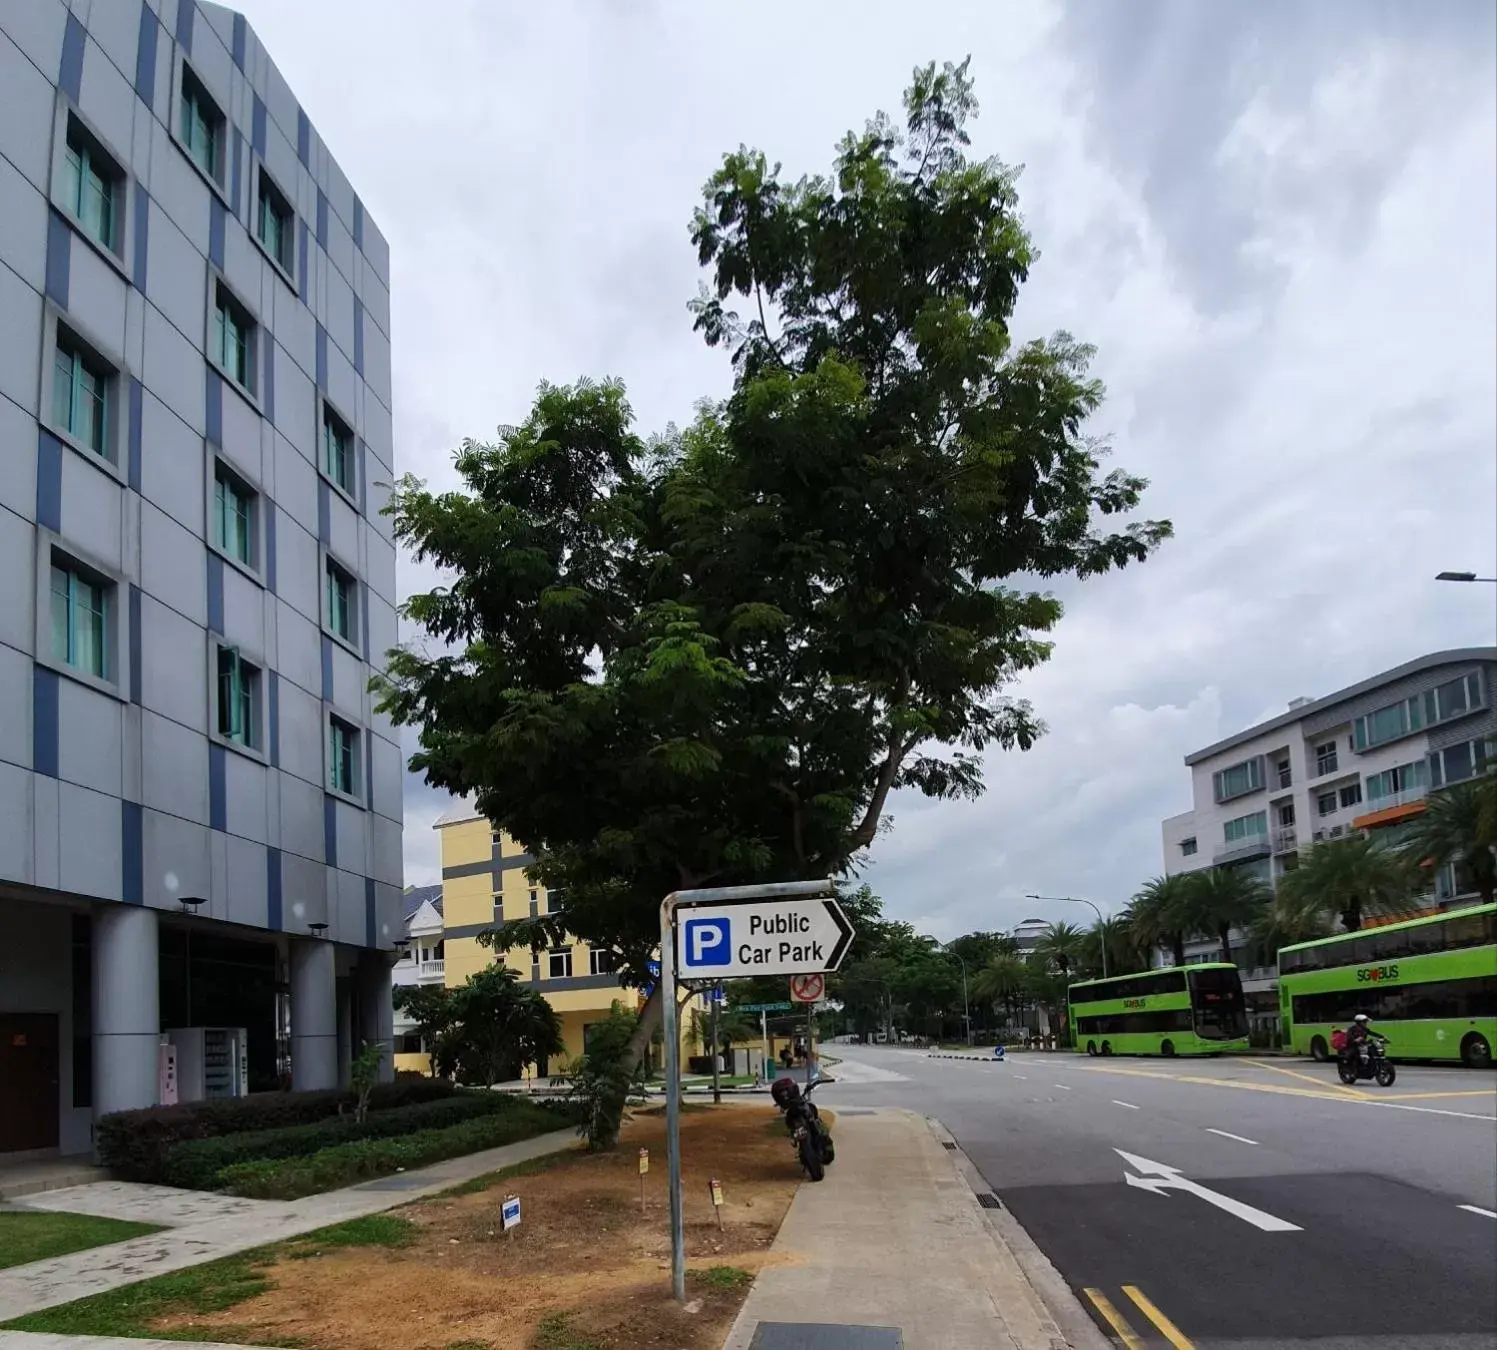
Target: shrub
{"points": [[196, 1163], [603, 1078], [134, 1144], [344, 1164]]}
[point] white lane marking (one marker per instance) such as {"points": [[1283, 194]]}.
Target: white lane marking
{"points": [[1061, 1086], [1129, 1105], [1160, 1178], [1023, 1078], [1424, 1110], [1227, 1134], [1477, 1209]]}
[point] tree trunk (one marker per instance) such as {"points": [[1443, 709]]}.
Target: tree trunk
{"points": [[1177, 941], [1223, 934]]}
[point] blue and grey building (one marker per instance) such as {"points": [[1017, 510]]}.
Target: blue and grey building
{"points": [[200, 809]]}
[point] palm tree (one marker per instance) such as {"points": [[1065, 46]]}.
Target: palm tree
{"points": [[1285, 921], [1062, 946], [1451, 831], [1350, 878], [1223, 898], [1159, 914], [1005, 980]]}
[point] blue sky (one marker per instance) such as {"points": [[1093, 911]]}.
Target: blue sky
{"points": [[1277, 222]]}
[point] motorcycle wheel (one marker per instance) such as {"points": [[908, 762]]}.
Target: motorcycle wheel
{"points": [[1347, 1073], [1385, 1074], [810, 1159], [828, 1149]]}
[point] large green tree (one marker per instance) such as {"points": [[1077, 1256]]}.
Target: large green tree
{"points": [[1349, 879], [1451, 831], [1159, 914], [709, 657], [485, 1030], [1219, 899]]}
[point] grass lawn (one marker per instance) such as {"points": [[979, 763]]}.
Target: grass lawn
{"points": [[199, 1290], [35, 1235]]}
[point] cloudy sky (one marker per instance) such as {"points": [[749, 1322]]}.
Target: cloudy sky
{"points": [[1277, 222]]}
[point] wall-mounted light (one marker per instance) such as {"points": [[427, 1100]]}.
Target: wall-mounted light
{"points": [[190, 903], [317, 929]]}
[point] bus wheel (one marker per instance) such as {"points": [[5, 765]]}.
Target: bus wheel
{"points": [[1319, 1051], [1091, 1047], [1107, 1047], [1476, 1053], [1167, 1049]]}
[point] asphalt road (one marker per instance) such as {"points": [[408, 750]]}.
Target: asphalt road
{"points": [[1270, 1206]]}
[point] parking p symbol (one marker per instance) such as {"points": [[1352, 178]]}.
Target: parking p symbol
{"points": [[708, 943]]}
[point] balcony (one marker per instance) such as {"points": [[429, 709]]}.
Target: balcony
{"points": [[431, 970], [1285, 840], [1392, 808], [1240, 850]]}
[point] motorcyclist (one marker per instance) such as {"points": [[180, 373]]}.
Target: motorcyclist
{"points": [[1357, 1035]]}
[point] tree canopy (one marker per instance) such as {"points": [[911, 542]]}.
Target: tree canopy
{"points": [[709, 656]]}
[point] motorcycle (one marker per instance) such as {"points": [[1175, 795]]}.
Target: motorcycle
{"points": [[808, 1132], [1369, 1061]]}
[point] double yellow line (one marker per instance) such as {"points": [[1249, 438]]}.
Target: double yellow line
{"points": [[1126, 1333]]}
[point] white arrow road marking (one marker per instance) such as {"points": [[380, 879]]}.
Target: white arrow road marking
{"points": [[1227, 1134], [1476, 1209], [1159, 1178], [1062, 1087]]}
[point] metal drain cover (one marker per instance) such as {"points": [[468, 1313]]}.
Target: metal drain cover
{"points": [[824, 1336]]}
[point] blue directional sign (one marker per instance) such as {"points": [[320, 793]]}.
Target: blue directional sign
{"points": [[648, 987]]}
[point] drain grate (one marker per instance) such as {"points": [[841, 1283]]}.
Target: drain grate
{"points": [[988, 1200], [948, 1144]]}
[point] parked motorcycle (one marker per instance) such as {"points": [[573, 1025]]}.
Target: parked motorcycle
{"points": [[808, 1132], [1369, 1060]]}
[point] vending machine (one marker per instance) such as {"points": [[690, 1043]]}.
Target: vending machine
{"points": [[211, 1062]]}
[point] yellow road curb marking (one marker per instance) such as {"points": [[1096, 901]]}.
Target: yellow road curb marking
{"points": [[1425, 1096], [1167, 1329], [1114, 1319]]}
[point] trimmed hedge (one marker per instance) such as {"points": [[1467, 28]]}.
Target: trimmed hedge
{"points": [[196, 1164], [344, 1164], [134, 1144]]}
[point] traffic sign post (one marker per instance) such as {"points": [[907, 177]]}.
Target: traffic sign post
{"points": [[781, 928], [808, 989]]}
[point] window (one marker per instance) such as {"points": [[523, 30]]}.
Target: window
{"points": [[81, 395], [1388, 724], [342, 753], [1392, 782], [1455, 698], [1188, 846], [559, 963], [1239, 780], [1457, 763], [1325, 759], [533, 895], [1245, 829], [92, 184], [231, 342], [80, 610], [340, 602], [238, 698], [233, 516], [1283, 774], [201, 126], [1325, 804], [1351, 795], [337, 450], [600, 962], [273, 221]]}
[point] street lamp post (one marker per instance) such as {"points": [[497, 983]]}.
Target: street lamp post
{"points": [[1464, 576], [1073, 900], [966, 1004]]}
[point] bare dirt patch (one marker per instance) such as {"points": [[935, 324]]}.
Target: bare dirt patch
{"points": [[586, 1270]]}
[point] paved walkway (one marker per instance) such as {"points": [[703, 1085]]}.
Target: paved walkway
{"points": [[894, 1238], [210, 1226]]}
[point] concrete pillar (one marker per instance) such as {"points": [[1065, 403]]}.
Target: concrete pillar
{"points": [[126, 1008], [314, 1026], [377, 1008], [346, 1046]]}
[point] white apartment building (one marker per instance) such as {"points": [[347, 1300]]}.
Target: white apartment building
{"points": [[200, 809], [1363, 758]]}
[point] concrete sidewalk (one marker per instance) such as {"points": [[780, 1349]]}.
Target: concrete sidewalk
{"points": [[211, 1226], [894, 1238]]}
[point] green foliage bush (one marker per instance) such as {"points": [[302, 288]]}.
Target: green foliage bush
{"points": [[603, 1078], [344, 1164], [134, 1144], [196, 1164]]}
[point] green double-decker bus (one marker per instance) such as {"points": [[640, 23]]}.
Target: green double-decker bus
{"points": [[1180, 1010], [1429, 985]]}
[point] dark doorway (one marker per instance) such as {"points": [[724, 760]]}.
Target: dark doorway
{"points": [[29, 1070]]}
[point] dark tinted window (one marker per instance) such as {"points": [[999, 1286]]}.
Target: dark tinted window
{"points": [[1443, 999], [1456, 933], [1133, 986], [1119, 1024]]}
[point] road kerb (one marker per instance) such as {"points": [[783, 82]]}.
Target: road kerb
{"points": [[1044, 1305]]}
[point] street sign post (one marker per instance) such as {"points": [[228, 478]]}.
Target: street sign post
{"points": [[780, 928], [765, 937]]}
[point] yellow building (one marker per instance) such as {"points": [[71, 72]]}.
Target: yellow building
{"points": [[484, 883]]}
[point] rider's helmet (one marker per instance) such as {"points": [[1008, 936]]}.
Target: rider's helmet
{"points": [[784, 1091], [1361, 1017]]}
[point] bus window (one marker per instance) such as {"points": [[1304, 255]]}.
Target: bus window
{"points": [[1220, 1014]]}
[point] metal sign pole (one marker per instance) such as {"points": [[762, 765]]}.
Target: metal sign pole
{"points": [[672, 1096], [810, 1032]]}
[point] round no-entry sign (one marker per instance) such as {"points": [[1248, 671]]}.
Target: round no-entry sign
{"points": [[807, 988]]}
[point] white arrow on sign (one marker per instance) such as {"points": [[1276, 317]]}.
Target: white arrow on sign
{"points": [[1159, 1178], [761, 937]]}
